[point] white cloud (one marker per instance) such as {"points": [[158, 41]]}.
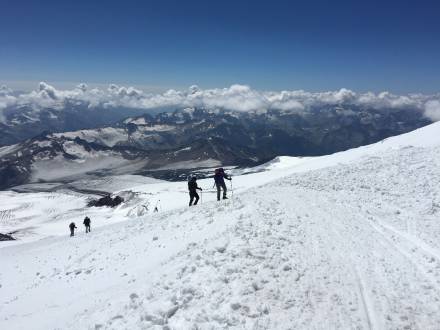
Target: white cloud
{"points": [[432, 110], [6, 100], [235, 97], [5, 90], [83, 87], [47, 90]]}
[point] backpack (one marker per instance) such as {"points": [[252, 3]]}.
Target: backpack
{"points": [[192, 184]]}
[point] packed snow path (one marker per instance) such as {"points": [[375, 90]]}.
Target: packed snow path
{"points": [[353, 246]]}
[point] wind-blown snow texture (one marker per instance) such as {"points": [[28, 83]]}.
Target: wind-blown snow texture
{"points": [[347, 241]]}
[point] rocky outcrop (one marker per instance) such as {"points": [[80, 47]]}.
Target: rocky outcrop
{"points": [[106, 201], [6, 237]]}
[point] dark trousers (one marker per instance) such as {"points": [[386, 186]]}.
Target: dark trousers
{"points": [[87, 228], [192, 195], [72, 231], [221, 185]]}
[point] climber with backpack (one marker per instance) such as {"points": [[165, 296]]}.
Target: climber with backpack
{"points": [[72, 228], [86, 223], [219, 178], [192, 188]]}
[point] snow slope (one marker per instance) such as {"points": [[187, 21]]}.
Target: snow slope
{"points": [[346, 241]]}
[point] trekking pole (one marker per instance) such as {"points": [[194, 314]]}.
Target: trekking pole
{"points": [[156, 208], [232, 190], [201, 196]]}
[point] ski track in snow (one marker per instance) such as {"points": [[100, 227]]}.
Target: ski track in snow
{"points": [[352, 246]]}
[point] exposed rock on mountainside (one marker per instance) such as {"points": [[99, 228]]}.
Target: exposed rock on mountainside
{"points": [[106, 201], [6, 237]]}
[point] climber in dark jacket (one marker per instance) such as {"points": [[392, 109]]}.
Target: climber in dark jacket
{"points": [[219, 178], [87, 224], [193, 187], [72, 228]]}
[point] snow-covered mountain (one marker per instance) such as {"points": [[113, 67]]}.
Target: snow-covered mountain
{"points": [[344, 241], [21, 122], [170, 144]]}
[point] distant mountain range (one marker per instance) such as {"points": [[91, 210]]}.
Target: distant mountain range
{"points": [[19, 123], [169, 144]]}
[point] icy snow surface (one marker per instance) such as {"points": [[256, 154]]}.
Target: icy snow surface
{"points": [[346, 241]]}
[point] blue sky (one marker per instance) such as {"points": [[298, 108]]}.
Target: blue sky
{"points": [[270, 45]]}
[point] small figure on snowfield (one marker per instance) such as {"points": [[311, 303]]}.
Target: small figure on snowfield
{"points": [[87, 224], [72, 228], [193, 187], [219, 178]]}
